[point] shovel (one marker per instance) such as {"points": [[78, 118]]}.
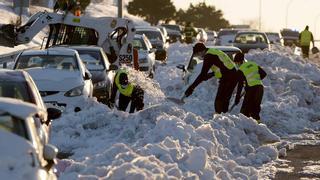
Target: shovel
{"points": [[177, 100]]}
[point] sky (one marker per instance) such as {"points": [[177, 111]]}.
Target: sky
{"points": [[273, 12]]}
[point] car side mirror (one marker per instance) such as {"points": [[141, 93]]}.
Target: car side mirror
{"points": [[49, 154], [182, 67], [53, 113], [112, 67], [230, 41]]}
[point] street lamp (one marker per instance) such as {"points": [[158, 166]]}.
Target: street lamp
{"points": [[260, 15], [287, 12], [315, 25]]}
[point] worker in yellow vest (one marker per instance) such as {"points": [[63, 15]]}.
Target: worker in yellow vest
{"points": [[127, 92], [223, 68], [305, 37], [251, 75]]}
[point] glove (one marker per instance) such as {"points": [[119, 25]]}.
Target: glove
{"points": [[189, 91], [209, 75]]}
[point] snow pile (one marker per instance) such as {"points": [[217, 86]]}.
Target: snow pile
{"points": [[161, 141]]}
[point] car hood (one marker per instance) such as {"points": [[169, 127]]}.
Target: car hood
{"points": [[16, 157], [56, 80]]}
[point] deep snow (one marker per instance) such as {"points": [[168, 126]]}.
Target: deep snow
{"points": [[168, 141]]}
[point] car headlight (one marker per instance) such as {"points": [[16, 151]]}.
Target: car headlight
{"points": [[143, 60], [77, 91], [100, 84]]}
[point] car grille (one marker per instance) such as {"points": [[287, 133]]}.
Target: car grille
{"points": [[48, 93]]}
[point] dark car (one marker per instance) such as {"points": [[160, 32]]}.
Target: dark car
{"points": [[290, 37], [246, 40], [157, 40], [175, 32]]}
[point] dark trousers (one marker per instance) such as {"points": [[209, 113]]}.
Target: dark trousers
{"points": [[305, 51], [225, 90], [136, 100], [252, 101]]}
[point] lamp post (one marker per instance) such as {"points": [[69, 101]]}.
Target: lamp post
{"points": [[287, 12], [260, 15], [120, 15], [315, 25]]}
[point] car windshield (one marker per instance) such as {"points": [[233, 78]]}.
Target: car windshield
{"points": [[13, 125], [172, 26], [290, 33], [139, 44], [227, 32], [151, 35], [250, 38], [61, 62], [92, 59], [17, 90]]}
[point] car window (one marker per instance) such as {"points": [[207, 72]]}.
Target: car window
{"points": [[250, 38], [17, 90], [61, 62], [227, 32], [91, 59], [13, 125], [139, 44], [152, 35]]}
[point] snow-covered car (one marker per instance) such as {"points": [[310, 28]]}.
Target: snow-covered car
{"points": [[225, 37], [96, 61], [202, 35], [18, 84], [290, 37], [193, 69], [146, 54], [157, 40], [175, 32], [275, 38], [22, 155], [60, 75], [246, 40]]}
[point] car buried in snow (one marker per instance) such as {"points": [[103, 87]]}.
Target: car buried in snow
{"points": [[193, 69], [18, 84], [60, 75], [22, 154]]}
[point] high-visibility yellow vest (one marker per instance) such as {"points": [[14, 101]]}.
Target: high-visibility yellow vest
{"points": [[125, 91], [224, 58], [305, 38], [251, 72]]}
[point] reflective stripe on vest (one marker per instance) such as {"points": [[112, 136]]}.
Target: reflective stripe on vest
{"points": [[125, 91], [251, 72], [305, 38], [224, 58]]}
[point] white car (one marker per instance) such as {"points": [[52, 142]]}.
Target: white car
{"points": [[60, 75], [146, 54], [18, 84], [157, 40], [193, 69], [22, 155]]}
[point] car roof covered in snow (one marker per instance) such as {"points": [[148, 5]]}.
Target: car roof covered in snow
{"points": [[80, 47], [18, 108], [51, 51], [13, 75]]}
